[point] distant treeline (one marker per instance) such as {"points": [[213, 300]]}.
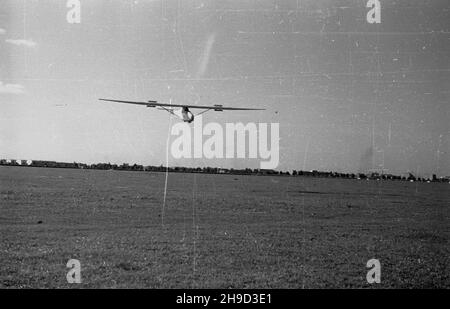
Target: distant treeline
{"points": [[217, 170]]}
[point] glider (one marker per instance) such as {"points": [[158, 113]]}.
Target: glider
{"points": [[183, 111]]}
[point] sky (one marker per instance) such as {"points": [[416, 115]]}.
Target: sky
{"points": [[349, 96]]}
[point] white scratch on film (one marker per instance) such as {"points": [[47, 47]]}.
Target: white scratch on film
{"points": [[167, 169]]}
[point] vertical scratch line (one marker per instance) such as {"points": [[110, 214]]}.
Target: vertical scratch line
{"points": [[194, 228], [306, 153], [167, 170]]}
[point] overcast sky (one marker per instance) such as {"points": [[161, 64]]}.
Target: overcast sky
{"points": [[349, 96]]}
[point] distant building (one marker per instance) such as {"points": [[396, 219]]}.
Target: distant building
{"points": [[39, 163], [267, 172]]}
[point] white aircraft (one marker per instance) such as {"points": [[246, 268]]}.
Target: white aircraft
{"points": [[183, 111]]}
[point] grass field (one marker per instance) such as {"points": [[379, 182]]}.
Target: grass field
{"points": [[219, 231]]}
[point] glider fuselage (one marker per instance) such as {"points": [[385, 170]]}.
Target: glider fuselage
{"points": [[184, 114]]}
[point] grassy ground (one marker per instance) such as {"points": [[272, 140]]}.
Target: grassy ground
{"points": [[219, 231]]}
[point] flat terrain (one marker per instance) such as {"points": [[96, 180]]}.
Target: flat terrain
{"points": [[219, 231]]}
